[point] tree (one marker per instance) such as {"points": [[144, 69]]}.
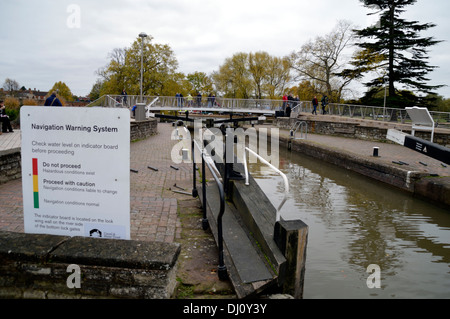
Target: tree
{"points": [[11, 86], [257, 65], [62, 90], [198, 82], [258, 75], [233, 78], [395, 45], [321, 61], [278, 76], [305, 90], [96, 90], [124, 69]]}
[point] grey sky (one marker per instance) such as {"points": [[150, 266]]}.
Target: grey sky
{"points": [[44, 41]]}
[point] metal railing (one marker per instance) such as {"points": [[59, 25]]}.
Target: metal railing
{"points": [[376, 113], [222, 269], [285, 179], [303, 127]]}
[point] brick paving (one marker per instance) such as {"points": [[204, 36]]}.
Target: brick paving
{"points": [[155, 208]]}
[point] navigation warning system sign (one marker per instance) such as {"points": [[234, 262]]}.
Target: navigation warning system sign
{"points": [[76, 171]]}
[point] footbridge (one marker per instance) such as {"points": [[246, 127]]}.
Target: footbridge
{"points": [[267, 107], [192, 104]]}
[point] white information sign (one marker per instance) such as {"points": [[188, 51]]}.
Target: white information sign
{"points": [[76, 171]]}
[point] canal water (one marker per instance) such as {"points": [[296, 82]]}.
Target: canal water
{"points": [[355, 222]]}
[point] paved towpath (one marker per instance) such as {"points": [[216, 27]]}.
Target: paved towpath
{"points": [[388, 153]]}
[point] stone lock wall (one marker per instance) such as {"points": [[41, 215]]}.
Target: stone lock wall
{"points": [[143, 129], [359, 130], [10, 165], [37, 267]]}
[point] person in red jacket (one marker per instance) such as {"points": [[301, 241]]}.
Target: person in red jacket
{"points": [[315, 103]]}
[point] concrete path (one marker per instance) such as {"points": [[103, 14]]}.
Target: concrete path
{"points": [[388, 153]]}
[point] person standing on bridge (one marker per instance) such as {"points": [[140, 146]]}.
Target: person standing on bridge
{"points": [[315, 103], [190, 99], [324, 104], [285, 100], [199, 99], [124, 97]]}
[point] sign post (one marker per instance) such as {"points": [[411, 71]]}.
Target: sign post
{"points": [[76, 171]]}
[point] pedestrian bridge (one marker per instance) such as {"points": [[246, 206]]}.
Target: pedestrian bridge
{"points": [[192, 104], [260, 106]]}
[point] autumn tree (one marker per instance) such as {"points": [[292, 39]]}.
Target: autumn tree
{"points": [[258, 75], [278, 76], [233, 78], [124, 69], [198, 82], [62, 91]]}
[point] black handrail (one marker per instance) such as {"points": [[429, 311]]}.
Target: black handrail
{"points": [[222, 269]]}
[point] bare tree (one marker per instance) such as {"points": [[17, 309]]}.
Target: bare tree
{"points": [[323, 59], [11, 86]]}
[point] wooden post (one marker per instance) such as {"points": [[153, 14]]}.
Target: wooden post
{"points": [[292, 237]]}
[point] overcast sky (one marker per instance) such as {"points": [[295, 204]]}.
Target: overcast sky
{"points": [[47, 41]]}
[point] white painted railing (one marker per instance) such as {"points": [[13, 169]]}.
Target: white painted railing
{"points": [[285, 179]]}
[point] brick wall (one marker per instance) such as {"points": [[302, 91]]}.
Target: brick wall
{"points": [[10, 165], [143, 129]]}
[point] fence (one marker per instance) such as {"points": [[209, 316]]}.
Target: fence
{"points": [[247, 105]]}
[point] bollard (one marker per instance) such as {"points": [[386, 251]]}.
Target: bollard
{"points": [[292, 238], [140, 112], [376, 151]]}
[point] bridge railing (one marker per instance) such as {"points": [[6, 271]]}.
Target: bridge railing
{"points": [[247, 105]]}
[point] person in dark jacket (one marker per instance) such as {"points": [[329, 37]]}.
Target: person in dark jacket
{"points": [[6, 123], [52, 100], [324, 104]]}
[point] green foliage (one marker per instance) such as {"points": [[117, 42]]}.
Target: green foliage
{"points": [[247, 75], [124, 70], [395, 46]]}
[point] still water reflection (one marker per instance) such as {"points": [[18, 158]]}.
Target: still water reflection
{"points": [[355, 222]]}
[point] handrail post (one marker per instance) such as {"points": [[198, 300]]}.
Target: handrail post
{"points": [[221, 269], [205, 222], [194, 171]]}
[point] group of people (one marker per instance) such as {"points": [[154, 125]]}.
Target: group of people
{"points": [[52, 100], [198, 99], [315, 103], [290, 102]]}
